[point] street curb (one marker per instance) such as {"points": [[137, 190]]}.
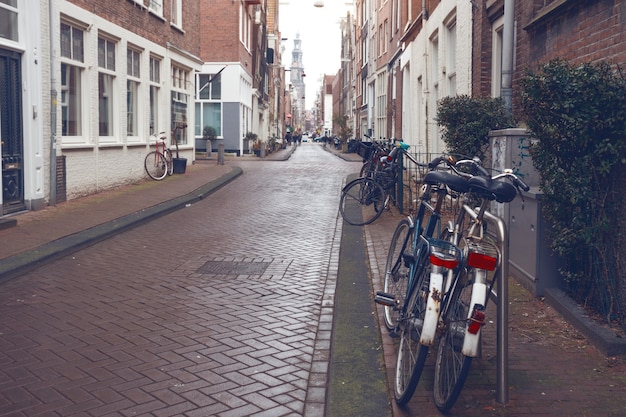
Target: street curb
{"points": [[605, 340], [26, 261]]}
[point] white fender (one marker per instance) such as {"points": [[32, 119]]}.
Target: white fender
{"points": [[479, 295], [433, 304]]}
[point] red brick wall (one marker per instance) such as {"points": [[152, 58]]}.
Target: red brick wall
{"points": [[137, 19]]}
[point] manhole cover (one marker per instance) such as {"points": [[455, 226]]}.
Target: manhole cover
{"points": [[233, 268]]}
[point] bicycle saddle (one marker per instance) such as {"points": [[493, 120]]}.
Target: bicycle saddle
{"points": [[454, 182], [484, 187]]}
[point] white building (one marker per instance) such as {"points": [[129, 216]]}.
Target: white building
{"points": [[435, 65]]}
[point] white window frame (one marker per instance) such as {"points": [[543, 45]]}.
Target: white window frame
{"points": [[78, 63], [108, 73], [155, 94], [176, 18], [156, 7], [12, 11], [497, 30], [133, 93]]}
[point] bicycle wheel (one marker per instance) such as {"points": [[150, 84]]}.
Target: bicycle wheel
{"points": [[396, 271], [170, 161], [362, 201], [155, 165], [411, 354], [451, 366], [366, 168]]}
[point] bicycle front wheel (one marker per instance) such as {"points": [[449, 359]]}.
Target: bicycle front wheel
{"points": [[170, 161], [362, 201], [156, 165], [411, 354], [451, 366], [396, 271]]}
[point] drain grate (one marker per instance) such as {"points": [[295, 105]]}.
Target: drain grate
{"points": [[233, 268]]}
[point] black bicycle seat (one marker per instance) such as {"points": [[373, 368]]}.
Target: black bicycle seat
{"points": [[484, 187], [454, 182]]}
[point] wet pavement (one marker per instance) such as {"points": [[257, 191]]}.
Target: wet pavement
{"points": [[227, 306]]}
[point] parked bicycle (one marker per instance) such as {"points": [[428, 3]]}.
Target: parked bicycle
{"points": [[415, 259], [364, 198], [158, 163], [437, 289], [467, 290]]}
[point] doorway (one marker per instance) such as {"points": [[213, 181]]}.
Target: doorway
{"points": [[11, 133]]}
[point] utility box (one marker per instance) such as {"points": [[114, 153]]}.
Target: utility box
{"points": [[531, 261]]}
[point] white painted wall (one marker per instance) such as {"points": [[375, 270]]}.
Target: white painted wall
{"points": [[427, 76]]}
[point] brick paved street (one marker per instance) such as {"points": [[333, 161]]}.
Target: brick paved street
{"points": [[217, 309]]}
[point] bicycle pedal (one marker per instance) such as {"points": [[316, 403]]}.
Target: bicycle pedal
{"points": [[385, 299]]}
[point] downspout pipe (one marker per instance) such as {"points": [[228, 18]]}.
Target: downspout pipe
{"points": [[53, 105], [508, 46]]}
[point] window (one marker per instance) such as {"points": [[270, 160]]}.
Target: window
{"points": [[8, 20], [451, 56], [177, 13], [106, 87], [496, 57], [155, 84], [208, 103], [381, 104], [180, 100], [245, 26], [132, 92], [156, 7], [72, 70]]}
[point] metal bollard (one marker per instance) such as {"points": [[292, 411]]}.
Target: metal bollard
{"points": [[220, 154]]}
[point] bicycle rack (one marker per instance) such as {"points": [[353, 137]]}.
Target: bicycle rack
{"points": [[502, 302]]}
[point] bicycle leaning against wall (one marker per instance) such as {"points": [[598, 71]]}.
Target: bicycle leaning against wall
{"points": [[158, 163]]}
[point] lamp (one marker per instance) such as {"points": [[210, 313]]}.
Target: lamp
{"points": [[318, 3]]}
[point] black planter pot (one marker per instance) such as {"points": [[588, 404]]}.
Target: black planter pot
{"points": [[180, 165]]}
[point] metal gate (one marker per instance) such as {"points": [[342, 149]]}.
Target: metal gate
{"points": [[11, 133]]}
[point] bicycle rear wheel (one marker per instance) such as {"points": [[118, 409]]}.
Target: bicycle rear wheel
{"points": [[156, 165], [396, 271], [451, 366], [362, 201], [411, 356]]}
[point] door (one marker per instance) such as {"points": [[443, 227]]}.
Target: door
{"points": [[11, 133]]}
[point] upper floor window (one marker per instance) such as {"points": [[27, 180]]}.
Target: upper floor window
{"points": [[106, 54], [8, 19], [72, 43], [177, 13], [156, 7]]}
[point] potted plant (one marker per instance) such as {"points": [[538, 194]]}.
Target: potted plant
{"points": [[256, 147], [179, 164]]}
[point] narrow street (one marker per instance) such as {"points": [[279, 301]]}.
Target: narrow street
{"points": [[217, 309]]}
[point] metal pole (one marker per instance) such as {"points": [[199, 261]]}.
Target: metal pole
{"points": [[508, 46], [53, 106], [502, 302], [502, 330]]}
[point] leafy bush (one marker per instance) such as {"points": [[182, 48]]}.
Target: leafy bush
{"points": [[578, 113], [466, 122]]}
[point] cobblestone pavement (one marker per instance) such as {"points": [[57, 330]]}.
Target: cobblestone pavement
{"points": [[223, 308]]}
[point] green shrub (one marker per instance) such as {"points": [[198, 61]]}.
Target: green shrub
{"points": [[578, 113], [466, 122]]}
